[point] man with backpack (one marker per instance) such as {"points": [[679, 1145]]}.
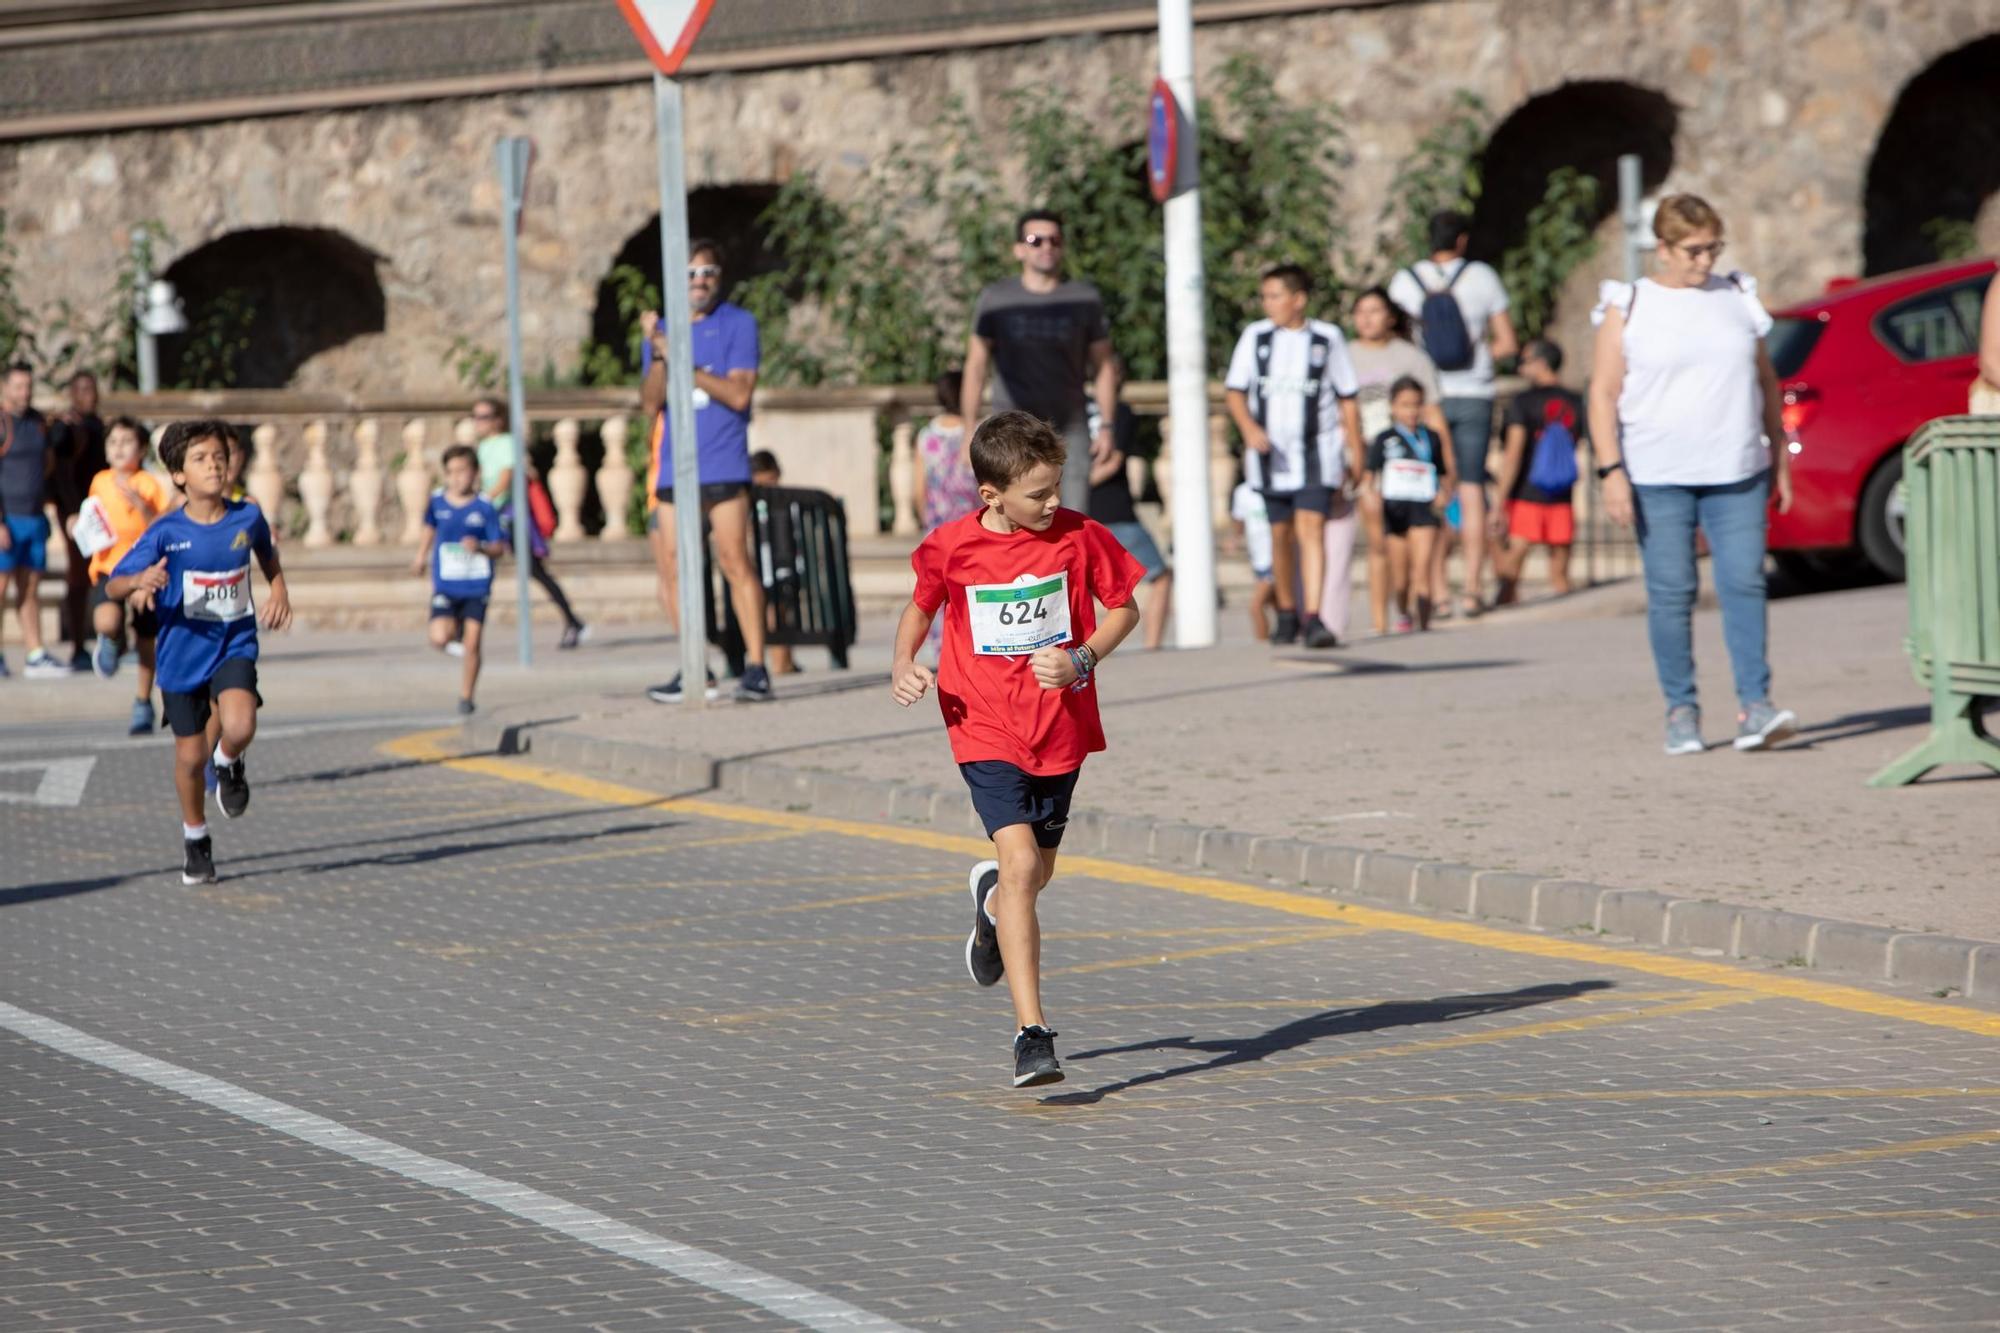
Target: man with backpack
{"points": [[1538, 472], [1461, 309]]}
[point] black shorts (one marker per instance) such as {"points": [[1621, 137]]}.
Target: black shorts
{"points": [[1279, 506], [188, 713], [1399, 516], [458, 608], [713, 493], [1005, 795], [145, 624]]}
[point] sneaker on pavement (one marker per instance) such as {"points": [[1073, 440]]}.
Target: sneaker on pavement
{"points": [[104, 657], [671, 692], [232, 788], [1763, 724], [197, 861], [82, 662], [454, 649], [4, 672], [1035, 1057], [1287, 630], [1684, 730], [466, 707], [41, 666], [573, 636], [982, 947], [754, 685], [142, 718], [1317, 635]]}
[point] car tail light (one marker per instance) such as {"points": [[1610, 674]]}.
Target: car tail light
{"points": [[1801, 403]]}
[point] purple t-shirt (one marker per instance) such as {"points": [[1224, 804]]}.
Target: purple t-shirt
{"points": [[724, 340]]}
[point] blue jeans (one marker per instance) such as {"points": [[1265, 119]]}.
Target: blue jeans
{"points": [[1732, 517]]}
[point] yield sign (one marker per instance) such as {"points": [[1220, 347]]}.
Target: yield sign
{"points": [[62, 781], [666, 28]]}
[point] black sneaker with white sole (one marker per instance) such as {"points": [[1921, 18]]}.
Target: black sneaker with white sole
{"points": [[754, 685], [672, 693], [197, 861], [982, 946], [1035, 1057], [232, 788]]}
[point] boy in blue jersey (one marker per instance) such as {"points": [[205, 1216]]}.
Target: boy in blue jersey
{"points": [[461, 539], [192, 570]]}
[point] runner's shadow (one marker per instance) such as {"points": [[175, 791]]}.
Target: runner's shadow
{"points": [[1300, 1032], [446, 851]]}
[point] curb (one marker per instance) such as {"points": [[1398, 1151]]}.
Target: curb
{"points": [[1936, 963]]}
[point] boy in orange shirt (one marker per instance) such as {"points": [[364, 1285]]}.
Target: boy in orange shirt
{"points": [[1018, 581], [129, 498]]}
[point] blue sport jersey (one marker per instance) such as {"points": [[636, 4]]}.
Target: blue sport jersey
{"points": [[455, 571], [205, 612]]}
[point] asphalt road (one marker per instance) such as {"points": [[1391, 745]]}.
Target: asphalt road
{"points": [[463, 1043]]}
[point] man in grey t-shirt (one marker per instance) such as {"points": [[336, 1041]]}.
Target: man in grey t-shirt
{"points": [[1045, 337]]}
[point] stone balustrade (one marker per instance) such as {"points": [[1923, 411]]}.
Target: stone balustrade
{"points": [[332, 470]]}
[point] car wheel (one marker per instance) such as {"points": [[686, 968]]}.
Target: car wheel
{"points": [[1879, 527]]}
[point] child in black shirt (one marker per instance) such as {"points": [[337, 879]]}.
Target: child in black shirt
{"points": [[1411, 473]]}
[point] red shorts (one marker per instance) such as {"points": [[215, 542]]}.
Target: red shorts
{"points": [[1540, 524]]}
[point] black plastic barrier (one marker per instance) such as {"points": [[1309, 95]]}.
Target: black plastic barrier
{"points": [[799, 539]]}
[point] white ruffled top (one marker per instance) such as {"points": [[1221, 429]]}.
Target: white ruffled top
{"points": [[1691, 409]]}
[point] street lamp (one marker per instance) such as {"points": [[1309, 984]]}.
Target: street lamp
{"points": [[159, 314]]}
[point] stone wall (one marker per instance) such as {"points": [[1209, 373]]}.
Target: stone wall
{"points": [[1780, 103]]}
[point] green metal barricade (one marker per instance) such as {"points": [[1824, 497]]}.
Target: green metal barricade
{"points": [[1951, 539]]}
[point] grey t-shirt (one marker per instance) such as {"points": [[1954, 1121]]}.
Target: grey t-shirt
{"points": [[24, 467], [1376, 368], [1041, 346]]}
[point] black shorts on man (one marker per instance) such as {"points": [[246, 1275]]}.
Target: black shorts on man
{"points": [[471, 609], [1005, 795], [1282, 506], [712, 493], [188, 713]]}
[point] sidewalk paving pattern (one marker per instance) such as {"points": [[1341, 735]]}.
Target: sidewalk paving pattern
{"points": [[754, 1037]]}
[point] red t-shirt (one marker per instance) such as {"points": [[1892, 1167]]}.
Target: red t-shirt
{"points": [[993, 706]]}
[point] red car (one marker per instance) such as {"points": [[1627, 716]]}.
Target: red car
{"points": [[1862, 367]]}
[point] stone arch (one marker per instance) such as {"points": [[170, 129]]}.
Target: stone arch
{"points": [[1585, 125], [731, 214], [286, 294], [1937, 160]]}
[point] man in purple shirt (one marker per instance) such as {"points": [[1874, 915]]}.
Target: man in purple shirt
{"points": [[725, 377]]}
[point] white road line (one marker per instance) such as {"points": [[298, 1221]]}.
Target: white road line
{"points": [[63, 781], [803, 1305]]}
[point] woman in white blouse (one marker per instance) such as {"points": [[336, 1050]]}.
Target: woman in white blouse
{"points": [[1686, 421]]}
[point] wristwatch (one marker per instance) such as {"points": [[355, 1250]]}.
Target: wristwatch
{"points": [[1610, 468]]}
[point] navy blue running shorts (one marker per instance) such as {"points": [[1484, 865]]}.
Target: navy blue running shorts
{"points": [[458, 608], [1005, 795], [188, 713]]}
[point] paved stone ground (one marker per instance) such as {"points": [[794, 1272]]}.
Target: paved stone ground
{"points": [[760, 1041]]}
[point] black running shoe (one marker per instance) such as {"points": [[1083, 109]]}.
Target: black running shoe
{"points": [[197, 861], [671, 692], [754, 685], [1035, 1058], [1287, 630], [982, 946], [1319, 636], [232, 788]]}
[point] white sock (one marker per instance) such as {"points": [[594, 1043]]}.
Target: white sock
{"points": [[223, 759], [194, 832], [987, 906]]}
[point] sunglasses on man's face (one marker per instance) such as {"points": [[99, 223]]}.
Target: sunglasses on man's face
{"points": [[704, 271], [1037, 242]]}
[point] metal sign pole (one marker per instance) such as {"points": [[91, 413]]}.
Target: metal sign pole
{"points": [[514, 156], [679, 321], [1187, 351]]}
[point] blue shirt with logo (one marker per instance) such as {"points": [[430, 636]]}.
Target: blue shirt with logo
{"points": [[724, 340], [206, 613], [469, 575]]}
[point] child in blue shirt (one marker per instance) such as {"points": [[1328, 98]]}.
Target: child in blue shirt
{"points": [[461, 540], [192, 570]]}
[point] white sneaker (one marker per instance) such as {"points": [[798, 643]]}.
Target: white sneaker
{"points": [[41, 666]]}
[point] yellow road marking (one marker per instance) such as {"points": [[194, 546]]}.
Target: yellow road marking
{"points": [[1852, 999], [1553, 1214]]}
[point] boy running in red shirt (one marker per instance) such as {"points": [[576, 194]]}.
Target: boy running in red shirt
{"points": [[1016, 580]]}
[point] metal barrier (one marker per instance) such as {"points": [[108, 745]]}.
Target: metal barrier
{"points": [[1951, 472], [800, 541]]}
